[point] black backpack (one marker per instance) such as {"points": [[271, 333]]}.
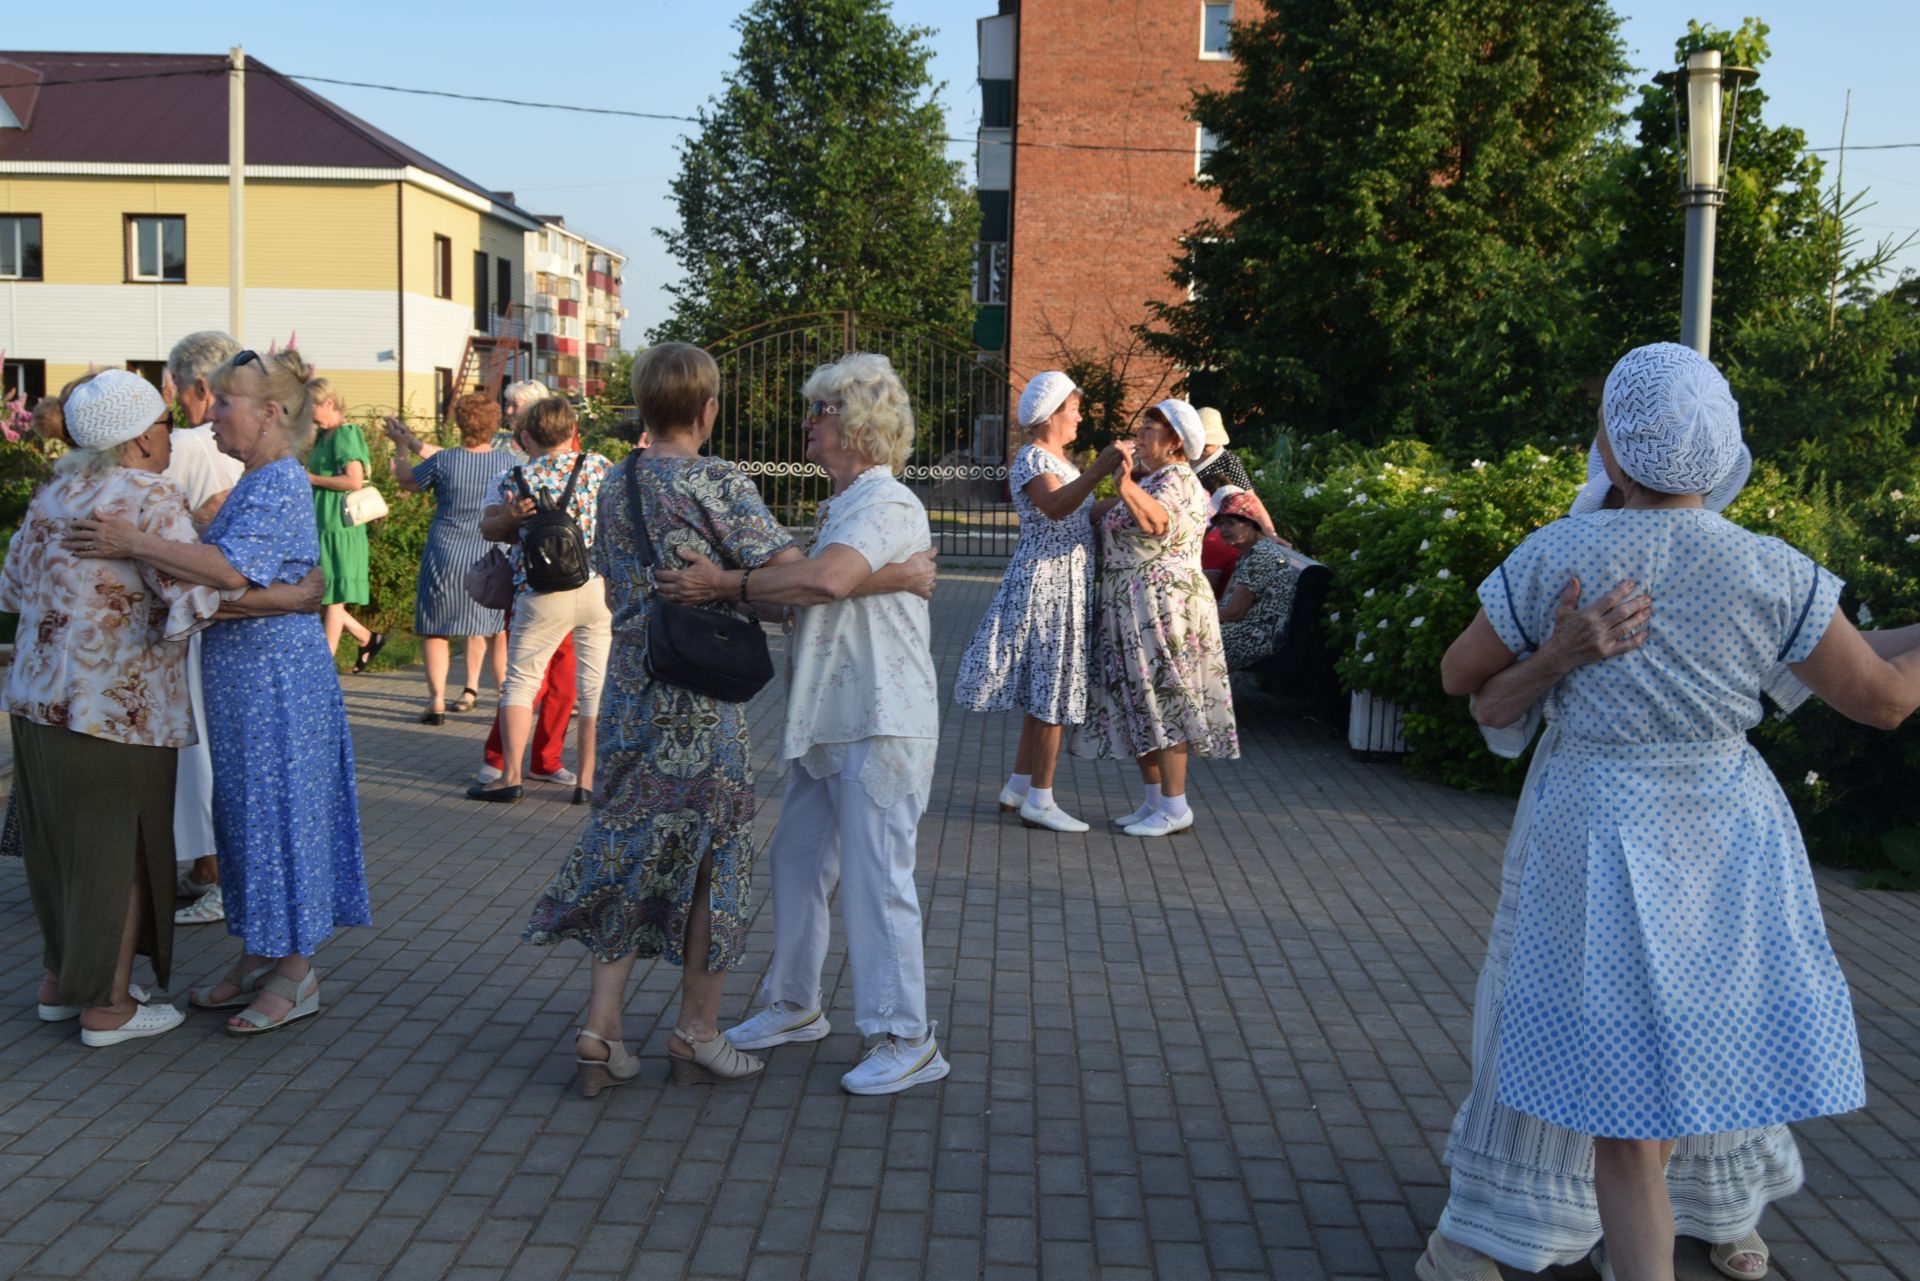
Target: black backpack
{"points": [[553, 547]]}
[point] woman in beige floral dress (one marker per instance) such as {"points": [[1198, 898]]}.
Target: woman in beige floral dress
{"points": [[1160, 690]]}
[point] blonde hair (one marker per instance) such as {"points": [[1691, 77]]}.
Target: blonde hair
{"points": [[290, 384], [876, 418], [672, 383], [320, 392]]}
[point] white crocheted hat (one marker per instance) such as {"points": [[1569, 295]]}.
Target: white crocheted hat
{"points": [[1185, 421], [1672, 419], [1593, 495], [111, 409], [1044, 394]]}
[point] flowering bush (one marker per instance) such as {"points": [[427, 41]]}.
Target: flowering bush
{"points": [[1409, 538]]}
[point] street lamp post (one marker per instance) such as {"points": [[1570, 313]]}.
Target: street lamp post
{"points": [[1706, 145]]}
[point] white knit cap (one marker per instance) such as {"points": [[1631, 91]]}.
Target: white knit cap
{"points": [[1185, 420], [1216, 427], [1044, 394], [1671, 419], [111, 409], [1593, 495]]}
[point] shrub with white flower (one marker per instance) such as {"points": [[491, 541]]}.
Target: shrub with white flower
{"points": [[1444, 574], [1419, 620]]}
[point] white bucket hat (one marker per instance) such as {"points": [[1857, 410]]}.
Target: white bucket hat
{"points": [[1044, 394], [111, 409], [1185, 420], [1216, 427]]}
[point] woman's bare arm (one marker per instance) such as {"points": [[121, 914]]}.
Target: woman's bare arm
{"points": [[1613, 625], [1148, 512], [351, 478], [302, 597], [1058, 501], [1855, 680], [1239, 600], [110, 538], [832, 575]]}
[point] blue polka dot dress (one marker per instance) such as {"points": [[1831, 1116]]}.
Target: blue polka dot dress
{"points": [[286, 817], [1671, 973]]}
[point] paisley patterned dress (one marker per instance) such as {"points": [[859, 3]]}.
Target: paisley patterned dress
{"points": [[1159, 672], [674, 783]]}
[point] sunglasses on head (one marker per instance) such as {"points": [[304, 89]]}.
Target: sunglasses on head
{"points": [[244, 357]]}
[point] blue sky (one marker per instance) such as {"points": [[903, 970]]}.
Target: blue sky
{"points": [[609, 176]]}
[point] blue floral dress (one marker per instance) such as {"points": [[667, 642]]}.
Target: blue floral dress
{"points": [[673, 782], [286, 817], [1670, 972]]}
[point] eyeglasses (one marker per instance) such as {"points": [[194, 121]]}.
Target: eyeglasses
{"points": [[244, 357], [821, 409]]}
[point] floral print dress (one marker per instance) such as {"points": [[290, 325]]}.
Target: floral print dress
{"points": [[1159, 672], [674, 782]]}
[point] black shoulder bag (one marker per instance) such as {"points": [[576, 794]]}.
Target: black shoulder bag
{"points": [[709, 652]]}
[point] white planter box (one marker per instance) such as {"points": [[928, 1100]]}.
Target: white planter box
{"points": [[1374, 728]]}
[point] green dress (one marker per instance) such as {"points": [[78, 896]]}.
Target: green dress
{"points": [[343, 547]]}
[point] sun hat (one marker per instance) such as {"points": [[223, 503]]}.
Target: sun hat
{"points": [[1672, 419], [1185, 421], [1593, 495], [1044, 394], [1219, 496], [111, 409], [1216, 427]]}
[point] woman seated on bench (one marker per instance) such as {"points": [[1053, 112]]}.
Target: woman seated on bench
{"points": [[1259, 596]]}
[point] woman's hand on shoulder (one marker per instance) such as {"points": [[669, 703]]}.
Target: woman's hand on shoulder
{"points": [[1615, 624], [101, 537]]}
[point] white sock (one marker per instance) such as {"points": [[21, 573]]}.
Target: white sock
{"points": [[1041, 798], [1153, 799], [1174, 806], [1019, 782]]}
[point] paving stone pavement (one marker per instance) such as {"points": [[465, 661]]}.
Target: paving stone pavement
{"points": [[1235, 1054]]}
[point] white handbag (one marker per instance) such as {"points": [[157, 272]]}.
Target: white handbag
{"points": [[363, 506]]}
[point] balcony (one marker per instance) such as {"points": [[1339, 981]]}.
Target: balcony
{"points": [[602, 281], [544, 342], [596, 387], [568, 307], [596, 351], [566, 346]]}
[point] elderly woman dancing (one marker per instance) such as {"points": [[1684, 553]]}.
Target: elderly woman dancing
{"points": [[1030, 651], [285, 809], [862, 726], [98, 700], [1160, 689], [1661, 852]]}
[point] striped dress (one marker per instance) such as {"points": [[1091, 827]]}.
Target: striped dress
{"points": [[461, 482]]}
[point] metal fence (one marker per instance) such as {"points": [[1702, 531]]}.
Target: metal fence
{"points": [[964, 432]]}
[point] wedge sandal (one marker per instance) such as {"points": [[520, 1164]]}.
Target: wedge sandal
{"points": [[304, 994], [1723, 1255], [248, 983]]}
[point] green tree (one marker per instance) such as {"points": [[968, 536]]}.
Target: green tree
{"points": [[818, 179], [1399, 183], [1820, 357]]}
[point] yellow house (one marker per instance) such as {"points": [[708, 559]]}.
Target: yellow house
{"points": [[396, 274]]}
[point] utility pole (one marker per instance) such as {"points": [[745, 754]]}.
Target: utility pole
{"points": [[237, 193]]}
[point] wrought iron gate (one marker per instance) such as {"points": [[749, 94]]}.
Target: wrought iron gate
{"points": [[960, 402]]}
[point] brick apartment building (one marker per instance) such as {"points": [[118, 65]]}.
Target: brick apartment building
{"points": [[1075, 241]]}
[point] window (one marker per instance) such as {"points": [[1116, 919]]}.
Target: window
{"points": [[157, 248], [20, 247], [442, 267], [1216, 23], [151, 370], [28, 377], [442, 393], [482, 305], [1206, 142], [990, 264], [503, 285]]}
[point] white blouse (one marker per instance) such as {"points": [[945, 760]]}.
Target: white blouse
{"points": [[862, 668]]}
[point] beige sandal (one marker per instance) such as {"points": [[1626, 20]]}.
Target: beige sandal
{"points": [[304, 993], [596, 1075], [711, 1061], [1723, 1255], [239, 978], [1438, 1264]]}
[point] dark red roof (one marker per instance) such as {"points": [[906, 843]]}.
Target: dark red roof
{"points": [[154, 108]]}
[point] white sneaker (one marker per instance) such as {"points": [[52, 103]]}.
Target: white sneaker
{"points": [[61, 1013], [148, 1020], [488, 774], [892, 1066], [1011, 800], [205, 910], [563, 776], [1140, 815], [1053, 818], [1161, 823], [779, 1024]]}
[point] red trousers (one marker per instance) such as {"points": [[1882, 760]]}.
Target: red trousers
{"points": [[554, 709]]}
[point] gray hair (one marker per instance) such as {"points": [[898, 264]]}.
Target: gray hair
{"points": [[198, 355], [524, 393], [91, 462]]}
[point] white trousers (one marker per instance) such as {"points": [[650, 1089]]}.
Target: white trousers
{"points": [[541, 620], [829, 832], [193, 784]]}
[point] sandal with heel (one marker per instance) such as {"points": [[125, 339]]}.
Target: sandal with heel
{"points": [[468, 697], [303, 994], [1723, 1255], [238, 976], [596, 1075], [711, 1062]]}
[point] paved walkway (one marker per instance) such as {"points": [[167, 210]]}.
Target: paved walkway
{"points": [[1232, 1055]]}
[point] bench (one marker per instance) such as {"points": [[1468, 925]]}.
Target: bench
{"points": [[1302, 667]]}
